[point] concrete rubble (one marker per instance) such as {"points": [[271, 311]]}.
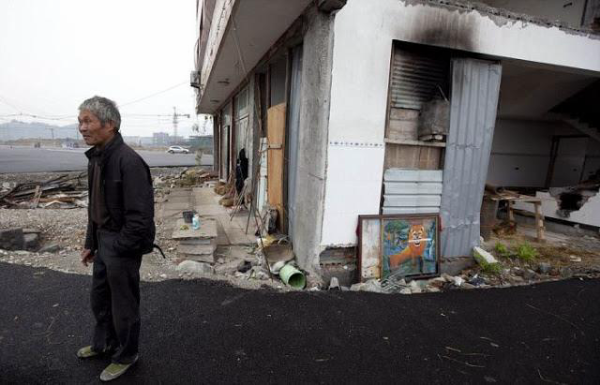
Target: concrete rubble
{"points": [[221, 250]]}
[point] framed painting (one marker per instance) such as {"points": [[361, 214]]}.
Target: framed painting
{"points": [[398, 246]]}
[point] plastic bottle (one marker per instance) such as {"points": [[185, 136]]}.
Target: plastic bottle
{"points": [[196, 222]]}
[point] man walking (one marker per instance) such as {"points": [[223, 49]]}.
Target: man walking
{"points": [[120, 230]]}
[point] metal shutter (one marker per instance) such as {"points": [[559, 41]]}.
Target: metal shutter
{"points": [[412, 191], [416, 75]]}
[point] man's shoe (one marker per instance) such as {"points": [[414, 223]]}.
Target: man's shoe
{"points": [[115, 370], [87, 352]]}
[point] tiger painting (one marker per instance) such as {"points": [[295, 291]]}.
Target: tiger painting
{"points": [[417, 244]]}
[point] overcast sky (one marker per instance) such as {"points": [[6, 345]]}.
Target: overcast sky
{"points": [[56, 53]]}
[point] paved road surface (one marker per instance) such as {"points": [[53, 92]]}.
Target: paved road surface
{"points": [[27, 159], [205, 332]]}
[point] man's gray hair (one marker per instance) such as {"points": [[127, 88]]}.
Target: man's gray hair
{"points": [[104, 109]]}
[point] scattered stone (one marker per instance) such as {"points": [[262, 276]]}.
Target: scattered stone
{"points": [[406, 290], [516, 279], [50, 248], [566, 272], [334, 284], [31, 241], [277, 266], [467, 286], [574, 258], [544, 268], [193, 267], [483, 257], [246, 266], [476, 280], [12, 239], [414, 285], [258, 272], [373, 285], [459, 281], [315, 281], [416, 290], [437, 282], [529, 274], [229, 268]]}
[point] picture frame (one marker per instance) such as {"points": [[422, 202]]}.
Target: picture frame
{"points": [[396, 246]]}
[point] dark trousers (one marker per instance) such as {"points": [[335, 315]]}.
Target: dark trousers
{"points": [[115, 299]]}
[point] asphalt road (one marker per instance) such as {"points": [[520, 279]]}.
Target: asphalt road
{"points": [[206, 332], [28, 159]]}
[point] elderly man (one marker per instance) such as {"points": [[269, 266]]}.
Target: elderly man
{"points": [[120, 230]]}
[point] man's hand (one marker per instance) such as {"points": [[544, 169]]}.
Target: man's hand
{"points": [[87, 257]]}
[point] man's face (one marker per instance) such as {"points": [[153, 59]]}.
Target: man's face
{"points": [[93, 132]]}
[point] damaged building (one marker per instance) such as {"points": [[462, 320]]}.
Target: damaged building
{"points": [[347, 108]]}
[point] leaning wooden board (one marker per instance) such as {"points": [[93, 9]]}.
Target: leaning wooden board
{"points": [[275, 158]]}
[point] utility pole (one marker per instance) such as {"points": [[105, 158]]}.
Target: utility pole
{"points": [[175, 122]]}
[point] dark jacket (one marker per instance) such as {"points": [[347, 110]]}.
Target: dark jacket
{"points": [[129, 199]]}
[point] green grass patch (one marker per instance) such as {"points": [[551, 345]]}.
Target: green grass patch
{"points": [[488, 268], [502, 250], [526, 252]]}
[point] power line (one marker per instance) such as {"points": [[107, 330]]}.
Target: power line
{"points": [[152, 95]]}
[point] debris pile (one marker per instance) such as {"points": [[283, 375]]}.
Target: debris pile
{"points": [[64, 192], [188, 177]]}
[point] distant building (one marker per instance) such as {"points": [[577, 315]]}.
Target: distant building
{"points": [[146, 141], [161, 139], [133, 140]]}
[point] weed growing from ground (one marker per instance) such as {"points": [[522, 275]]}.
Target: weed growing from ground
{"points": [[502, 250], [526, 252], [488, 268]]}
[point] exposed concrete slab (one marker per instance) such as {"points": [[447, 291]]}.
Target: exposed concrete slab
{"points": [[178, 205], [197, 249], [180, 191], [222, 239], [178, 199], [234, 230], [208, 229], [170, 214], [206, 258], [205, 201], [209, 209]]}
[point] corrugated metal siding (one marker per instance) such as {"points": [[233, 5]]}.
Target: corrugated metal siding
{"points": [[411, 191], [415, 77], [475, 89]]}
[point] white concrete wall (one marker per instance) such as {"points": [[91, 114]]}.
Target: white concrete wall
{"points": [[520, 153], [568, 12], [363, 36], [588, 214]]}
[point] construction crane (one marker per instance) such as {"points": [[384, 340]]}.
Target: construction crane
{"points": [[175, 116]]}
